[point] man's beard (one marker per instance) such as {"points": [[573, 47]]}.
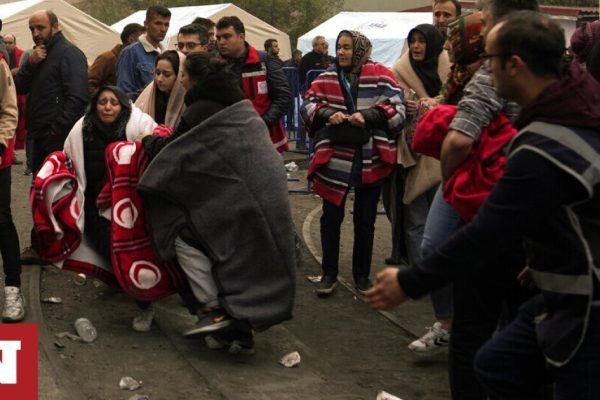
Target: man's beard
{"points": [[44, 41]]}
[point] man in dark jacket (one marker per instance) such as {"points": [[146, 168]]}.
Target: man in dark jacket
{"points": [[261, 77], [55, 80], [315, 59], [548, 198]]}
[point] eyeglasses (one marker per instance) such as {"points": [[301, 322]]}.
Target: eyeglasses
{"points": [[486, 58], [188, 45]]}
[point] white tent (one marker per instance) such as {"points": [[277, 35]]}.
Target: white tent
{"points": [[86, 32], [387, 31], [257, 31]]}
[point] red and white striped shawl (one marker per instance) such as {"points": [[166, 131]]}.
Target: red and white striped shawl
{"points": [[330, 164]]}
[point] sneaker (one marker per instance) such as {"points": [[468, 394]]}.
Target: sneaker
{"points": [[434, 339], [14, 304], [30, 256], [234, 341], [28, 172], [327, 284], [143, 321], [362, 285], [213, 321]]}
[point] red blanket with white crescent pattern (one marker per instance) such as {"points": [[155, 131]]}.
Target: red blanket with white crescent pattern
{"points": [[56, 212], [136, 267]]}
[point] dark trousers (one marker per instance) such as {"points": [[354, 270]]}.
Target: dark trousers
{"points": [[512, 365], [43, 144], [29, 150], [365, 212], [482, 301], [9, 240]]}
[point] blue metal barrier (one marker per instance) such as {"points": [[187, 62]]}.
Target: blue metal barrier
{"points": [[301, 131]]}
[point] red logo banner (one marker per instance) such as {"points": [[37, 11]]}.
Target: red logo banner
{"points": [[18, 361]]}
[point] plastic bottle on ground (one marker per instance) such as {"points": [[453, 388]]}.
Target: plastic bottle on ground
{"points": [[86, 331]]}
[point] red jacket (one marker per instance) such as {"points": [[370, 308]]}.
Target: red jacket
{"points": [[473, 180], [256, 89]]}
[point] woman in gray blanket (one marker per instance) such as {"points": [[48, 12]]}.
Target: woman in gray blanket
{"points": [[232, 238]]}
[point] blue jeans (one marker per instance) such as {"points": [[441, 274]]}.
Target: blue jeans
{"points": [[442, 222], [512, 365], [365, 212]]}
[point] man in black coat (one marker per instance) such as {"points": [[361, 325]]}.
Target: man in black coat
{"points": [[315, 59], [55, 80]]}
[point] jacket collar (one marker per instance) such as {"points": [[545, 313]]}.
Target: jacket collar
{"points": [[148, 47]]}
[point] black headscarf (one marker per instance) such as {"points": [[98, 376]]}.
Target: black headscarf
{"points": [[93, 126], [427, 70]]}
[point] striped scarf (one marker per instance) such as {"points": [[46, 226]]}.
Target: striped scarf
{"points": [[330, 165]]}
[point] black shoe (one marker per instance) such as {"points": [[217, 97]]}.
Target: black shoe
{"points": [[235, 341], [28, 172], [363, 284], [30, 257], [213, 321], [327, 284]]}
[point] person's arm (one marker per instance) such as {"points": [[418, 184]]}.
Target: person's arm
{"points": [[97, 74], [279, 92], [30, 62], [531, 189], [479, 105], [8, 107], [456, 147], [73, 70], [126, 78]]}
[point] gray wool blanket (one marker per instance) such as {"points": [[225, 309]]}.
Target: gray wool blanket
{"points": [[224, 181]]}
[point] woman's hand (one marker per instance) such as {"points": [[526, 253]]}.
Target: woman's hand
{"points": [[387, 293], [430, 101], [411, 106], [337, 118], [140, 137], [357, 119]]}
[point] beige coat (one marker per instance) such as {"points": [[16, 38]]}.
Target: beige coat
{"points": [[8, 105], [423, 172]]}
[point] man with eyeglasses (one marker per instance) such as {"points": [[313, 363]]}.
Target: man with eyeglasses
{"points": [[548, 198], [135, 67], [192, 38]]}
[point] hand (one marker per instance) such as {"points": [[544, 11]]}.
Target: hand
{"points": [[39, 54], [337, 118], [357, 119], [411, 106], [430, 101], [387, 293], [525, 279], [140, 137]]}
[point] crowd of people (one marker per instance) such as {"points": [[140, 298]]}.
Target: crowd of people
{"points": [[482, 140]]}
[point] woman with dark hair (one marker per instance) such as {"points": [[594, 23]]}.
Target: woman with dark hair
{"points": [[406, 194], [209, 87], [110, 117], [162, 99], [354, 111], [217, 200]]}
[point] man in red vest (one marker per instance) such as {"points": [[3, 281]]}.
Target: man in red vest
{"points": [[14, 60], [9, 240], [261, 77]]}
